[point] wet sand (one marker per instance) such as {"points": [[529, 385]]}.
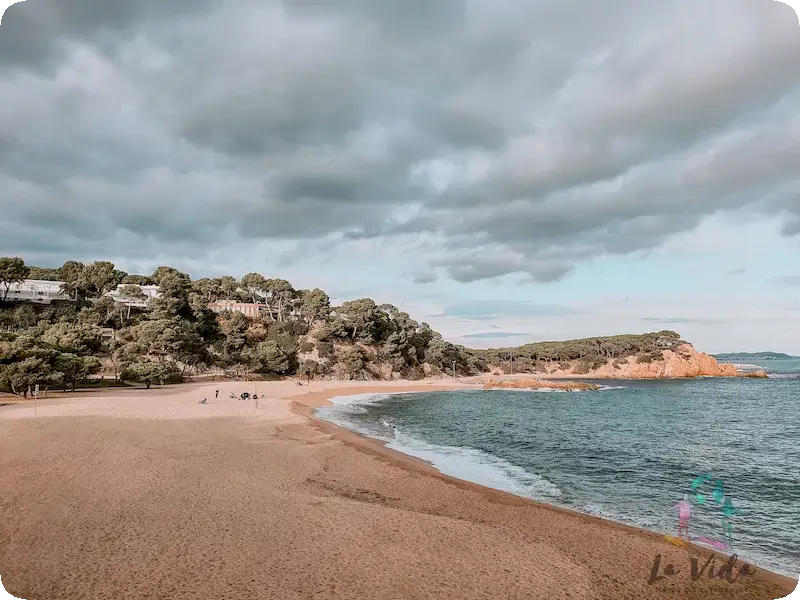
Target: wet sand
{"points": [[133, 494]]}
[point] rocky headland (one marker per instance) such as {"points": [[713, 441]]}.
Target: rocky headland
{"points": [[679, 363]]}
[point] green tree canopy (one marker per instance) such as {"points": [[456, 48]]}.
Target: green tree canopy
{"points": [[12, 270], [44, 274], [147, 373], [137, 280]]}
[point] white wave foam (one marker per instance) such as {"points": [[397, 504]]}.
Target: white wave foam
{"points": [[642, 521], [358, 399], [547, 390], [599, 511], [603, 388], [478, 467], [389, 423], [353, 404], [465, 463]]}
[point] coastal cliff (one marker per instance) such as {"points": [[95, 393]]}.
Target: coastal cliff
{"points": [[681, 362]]}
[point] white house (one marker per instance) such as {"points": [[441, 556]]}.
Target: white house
{"points": [[36, 290], [151, 291], [246, 308]]}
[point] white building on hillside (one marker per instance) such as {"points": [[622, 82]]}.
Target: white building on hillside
{"points": [[151, 291], [246, 308], [36, 290]]}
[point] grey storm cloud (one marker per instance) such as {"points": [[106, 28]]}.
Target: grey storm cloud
{"points": [[425, 277], [523, 137]]}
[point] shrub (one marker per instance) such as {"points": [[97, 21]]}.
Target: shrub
{"points": [[310, 369], [325, 349], [147, 373]]}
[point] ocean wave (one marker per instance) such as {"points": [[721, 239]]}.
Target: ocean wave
{"points": [[478, 467], [542, 390], [604, 513], [465, 463], [356, 403], [603, 388], [599, 511], [547, 390], [642, 522]]}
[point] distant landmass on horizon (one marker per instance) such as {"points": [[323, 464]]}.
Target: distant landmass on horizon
{"points": [[727, 357]]}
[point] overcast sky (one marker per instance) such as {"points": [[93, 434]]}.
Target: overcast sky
{"points": [[508, 171]]}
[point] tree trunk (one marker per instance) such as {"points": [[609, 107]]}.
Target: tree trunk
{"points": [[147, 385]]}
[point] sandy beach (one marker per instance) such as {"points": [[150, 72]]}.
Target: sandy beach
{"points": [[149, 494]]}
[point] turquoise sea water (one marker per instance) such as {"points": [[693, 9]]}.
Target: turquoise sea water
{"points": [[626, 453]]}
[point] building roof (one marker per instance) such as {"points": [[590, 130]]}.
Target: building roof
{"points": [[231, 303], [39, 282]]}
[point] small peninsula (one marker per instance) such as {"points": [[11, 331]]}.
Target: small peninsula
{"points": [[660, 355]]}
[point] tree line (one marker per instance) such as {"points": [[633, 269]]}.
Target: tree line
{"points": [[582, 355], [98, 337], [177, 335]]}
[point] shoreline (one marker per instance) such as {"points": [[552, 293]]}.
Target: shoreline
{"points": [[150, 494], [55, 393], [307, 405]]}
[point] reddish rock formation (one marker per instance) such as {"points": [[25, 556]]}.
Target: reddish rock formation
{"points": [[680, 363], [756, 375]]}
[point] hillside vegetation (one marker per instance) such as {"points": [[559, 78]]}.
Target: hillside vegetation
{"points": [[99, 339], [588, 353], [177, 335]]}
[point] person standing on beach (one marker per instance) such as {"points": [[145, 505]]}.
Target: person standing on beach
{"points": [[216, 394], [684, 514]]}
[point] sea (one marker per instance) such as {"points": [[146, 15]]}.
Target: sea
{"points": [[628, 452]]}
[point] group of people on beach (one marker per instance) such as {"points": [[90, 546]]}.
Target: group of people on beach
{"points": [[243, 396]]}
